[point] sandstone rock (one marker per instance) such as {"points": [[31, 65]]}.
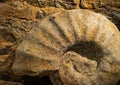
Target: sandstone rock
{"points": [[111, 13], [22, 10], [16, 20], [67, 4], [9, 83], [97, 5], [114, 3], [89, 4], [73, 4], [93, 38], [3, 58], [77, 70]]}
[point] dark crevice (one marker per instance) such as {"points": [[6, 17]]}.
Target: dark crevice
{"points": [[28, 80], [4, 51], [89, 49], [118, 83], [2, 0]]}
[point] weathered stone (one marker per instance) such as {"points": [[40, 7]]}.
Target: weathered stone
{"points": [[16, 19], [77, 70], [100, 6], [89, 4], [93, 37], [9, 83], [114, 3], [22, 10], [111, 13], [73, 4], [67, 4]]}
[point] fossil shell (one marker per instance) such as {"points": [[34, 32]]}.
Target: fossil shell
{"points": [[77, 70], [89, 34]]}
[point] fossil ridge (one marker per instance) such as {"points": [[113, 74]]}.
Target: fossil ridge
{"points": [[69, 39]]}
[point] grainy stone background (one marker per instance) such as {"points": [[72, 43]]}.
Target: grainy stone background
{"points": [[17, 18]]}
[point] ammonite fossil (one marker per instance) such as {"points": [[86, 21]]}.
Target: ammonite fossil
{"points": [[79, 46]]}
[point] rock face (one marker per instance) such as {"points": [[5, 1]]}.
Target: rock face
{"points": [[67, 4], [72, 4], [110, 8], [111, 13], [16, 19], [114, 3], [78, 47], [77, 70], [9, 83]]}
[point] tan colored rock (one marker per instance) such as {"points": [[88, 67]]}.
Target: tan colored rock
{"points": [[77, 70], [6, 49], [9, 83], [3, 58], [99, 5], [47, 47], [16, 20], [73, 4], [114, 3], [22, 10], [67, 4], [89, 4], [112, 13]]}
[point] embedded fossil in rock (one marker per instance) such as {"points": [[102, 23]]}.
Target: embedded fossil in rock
{"points": [[80, 45]]}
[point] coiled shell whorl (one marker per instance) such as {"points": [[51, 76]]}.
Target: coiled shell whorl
{"points": [[88, 34]]}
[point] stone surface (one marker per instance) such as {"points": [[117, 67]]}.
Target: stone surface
{"points": [[9, 83], [89, 4], [109, 8], [114, 3], [93, 38], [6, 49], [77, 70], [67, 4], [72, 4], [111, 13], [16, 19]]}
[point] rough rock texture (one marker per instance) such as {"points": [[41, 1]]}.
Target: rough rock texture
{"points": [[16, 19], [48, 48], [72, 4], [67, 4], [114, 3], [111, 13], [77, 70], [109, 8], [9, 83]]}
